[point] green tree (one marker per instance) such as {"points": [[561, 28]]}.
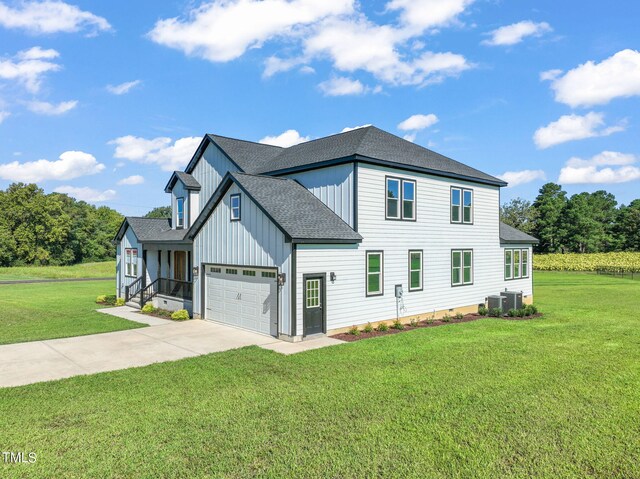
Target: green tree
{"points": [[548, 228], [589, 222], [519, 213], [628, 226], [159, 212]]}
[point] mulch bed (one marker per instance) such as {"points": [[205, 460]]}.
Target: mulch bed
{"points": [[161, 313], [422, 324]]}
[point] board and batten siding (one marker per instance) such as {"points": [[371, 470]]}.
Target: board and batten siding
{"points": [[333, 186], [253, 241], [432, 232], [209, 171]]}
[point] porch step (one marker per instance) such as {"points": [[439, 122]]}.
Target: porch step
{"points": [[132, 304]]}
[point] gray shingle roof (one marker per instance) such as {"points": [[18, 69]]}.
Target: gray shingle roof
{"points": [[509, 234], [151, 229], [301, 216], [295, 209], [248, 155], [368, 144], [189, 182]]}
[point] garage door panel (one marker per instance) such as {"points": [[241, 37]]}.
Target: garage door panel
{"points": [[246, 300]]}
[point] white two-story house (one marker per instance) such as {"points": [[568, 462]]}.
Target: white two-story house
{"points": [[321, 236]]}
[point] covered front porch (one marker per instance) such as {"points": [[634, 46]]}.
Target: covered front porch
{"points": [[165, 278]]}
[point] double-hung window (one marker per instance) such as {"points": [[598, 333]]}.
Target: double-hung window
{"points": [[415, 270], [461, 205], [179, 212], [508, 264], [516, 263], [131, 262], [400, 199], [235, 207], [461, 267], [374, 273]]}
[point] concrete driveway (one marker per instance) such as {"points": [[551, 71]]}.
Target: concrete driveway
{"points": [[26, 363]]}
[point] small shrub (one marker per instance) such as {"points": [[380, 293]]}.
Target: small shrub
{"points": [[148, 308], [382, 327], [180, 315], [414, 322], [531, 309], [111, 299], [120, 302], [459, 316], [495, 312], [512, 313], [101, 299], [521, 313], [430, 319], [368, 328], [354, 331], [446, 318], [483, 310], [397, 325]]}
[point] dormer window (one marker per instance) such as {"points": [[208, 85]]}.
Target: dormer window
{"points": [[235, 207], [179, 212]]}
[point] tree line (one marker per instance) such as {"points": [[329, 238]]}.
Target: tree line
{"points": [[582, 223]]}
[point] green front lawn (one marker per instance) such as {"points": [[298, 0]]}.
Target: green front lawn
{"points": [[30, 312], [552, 397], [105, 269]]}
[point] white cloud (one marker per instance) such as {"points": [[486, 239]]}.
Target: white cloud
{"points": [[516, 32], [574, 127], [28, 67], [132, 180], [418, 122], [123, 88], [419, 15], [38, 53], [351, 128], [550, 75], [341, 86], [51, 109], [515, 178], [87, 194], [50, 16], [410, 137], [223, 30], [285, 139], [598, 83], [161, 151], [4, 115], [308, 70], [72, 164], [598, 169]]}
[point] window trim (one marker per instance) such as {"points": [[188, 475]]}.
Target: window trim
{"points": [[421, 288], [366, 273], [400, 199], [461, 205], [129, 263], [524, 274], [180, 219], [462, 252], [231, 207], [504, 264]]}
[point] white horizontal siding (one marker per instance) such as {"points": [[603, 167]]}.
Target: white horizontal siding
{"points": [[432, 232], [333, 186], [209, 171], [252, 241]]}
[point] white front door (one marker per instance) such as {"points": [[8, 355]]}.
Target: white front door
{"points": [[242, 297]]}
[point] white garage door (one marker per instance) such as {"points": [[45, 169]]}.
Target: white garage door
{"points": [[243, 297]]}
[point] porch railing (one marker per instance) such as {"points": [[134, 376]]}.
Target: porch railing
{"points": [[169, 287], [133, 289]]}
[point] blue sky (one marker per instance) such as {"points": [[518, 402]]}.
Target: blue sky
{"points": [[104, 99]]}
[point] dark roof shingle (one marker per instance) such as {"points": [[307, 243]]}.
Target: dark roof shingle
{"points": [[509, 234], [152, 229]]}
